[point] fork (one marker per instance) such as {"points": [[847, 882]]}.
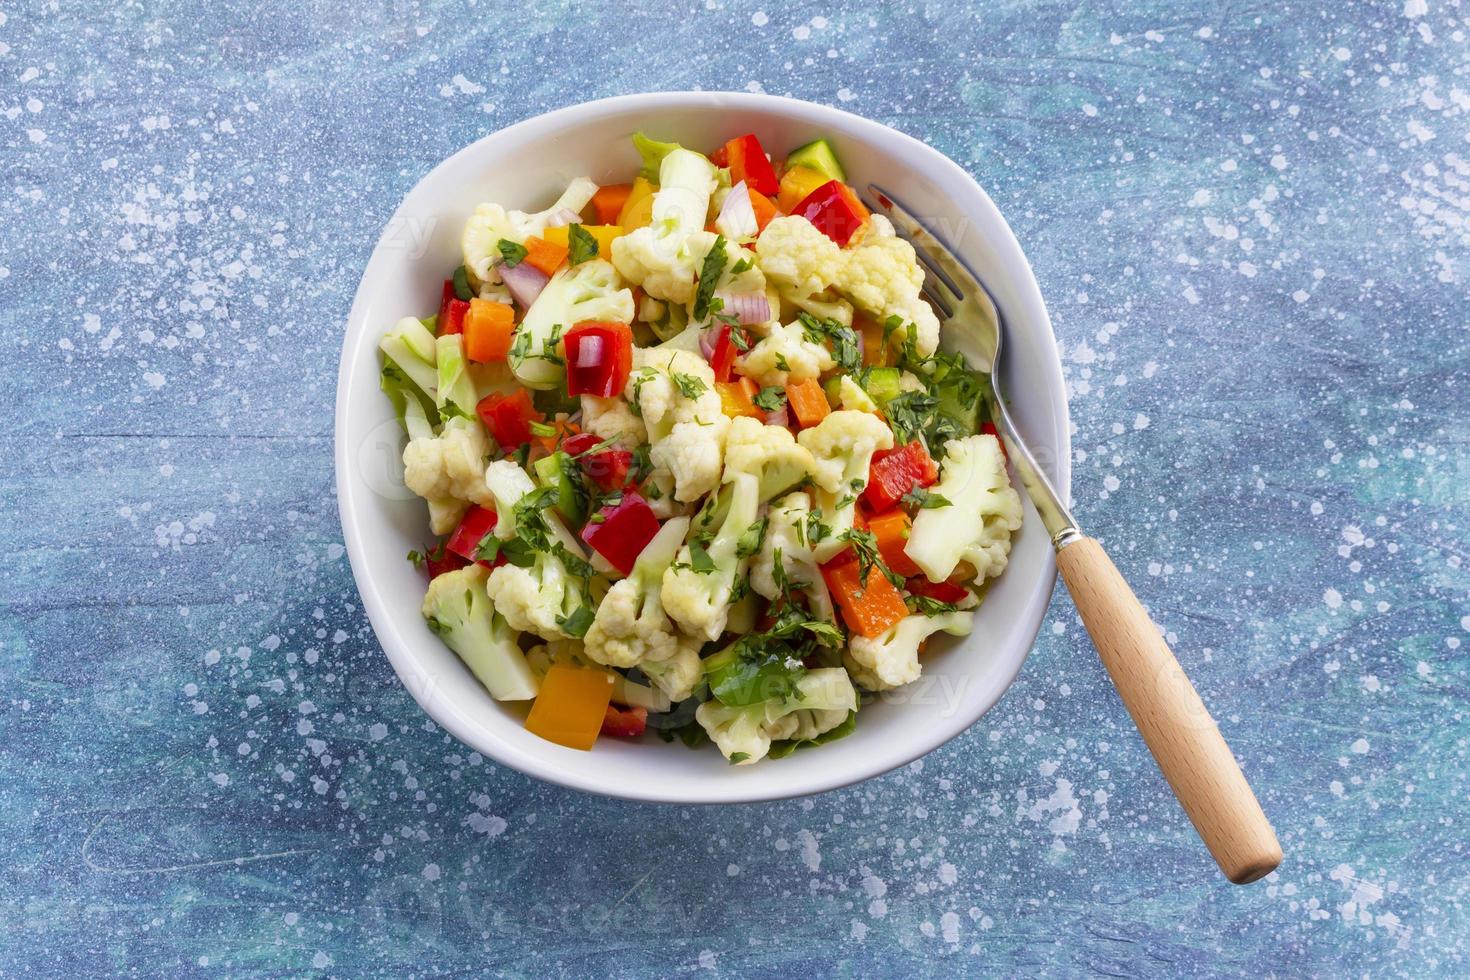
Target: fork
{"points": [[1168, 712]]}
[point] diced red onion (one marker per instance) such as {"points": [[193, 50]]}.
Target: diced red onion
{"points": [[737, 215], [525, 283], [780, 416], [563, 217], [708, 338], [746, 308]]}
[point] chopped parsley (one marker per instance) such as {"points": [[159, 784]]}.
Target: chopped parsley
{"points": [[581, 245], [750, 542], [511, 254], [462, 288], [688, 385], [925, 499], [926, 606], [865, 548], [577, 622], [709, 277], [699, 559], [771, 398]]}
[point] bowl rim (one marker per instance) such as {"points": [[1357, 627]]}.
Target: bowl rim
{"points": [[398, 647]]}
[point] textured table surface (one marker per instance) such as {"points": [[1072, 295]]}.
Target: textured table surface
{"points": [[1249, 220]]}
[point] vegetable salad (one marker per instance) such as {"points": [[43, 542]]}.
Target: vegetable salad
{"points": [[693, 457]]}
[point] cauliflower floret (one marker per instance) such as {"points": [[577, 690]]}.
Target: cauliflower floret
{"points": [[674, 390], [792, 252], [537, 598], [815, 721], [882, 276], [768, 452], [612, 418], [678, 675], [591, 290], [698, 597], [480, 243], [631, 628], [458, 608], [822, 700], [786, 537], [842, 446], [892, 659], [665, 256], [852, 395], [785, 355], [691, 453], [984, 510], [658, 490], [448, 470]]}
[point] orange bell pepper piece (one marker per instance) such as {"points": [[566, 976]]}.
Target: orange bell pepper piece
{"points": [[604, 234], [765, 209], [571, 706], [737, 398], [891, 529], [543, 255], [638, 208], [796, 184], [609, 201], [808, 402], [868, 609], [488, 329], [875, 352]]}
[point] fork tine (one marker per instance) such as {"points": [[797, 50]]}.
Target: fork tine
{"points": [[930, 291], [934, 253]]}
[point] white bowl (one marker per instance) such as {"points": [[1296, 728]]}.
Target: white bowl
{"points": [[527, 165]]}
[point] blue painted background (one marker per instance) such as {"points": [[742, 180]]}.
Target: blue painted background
{"points": [[1250, 220]]}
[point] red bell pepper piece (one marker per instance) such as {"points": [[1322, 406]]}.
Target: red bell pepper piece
{"points": [[451, 311], [599, 358], [476, 523], [509, 418], [625, 723], [439, 560], [620, 532], [721, 157], [722, 360], [894, 472], [608, 468], [938, 591], [747, 162], [835, 211]]}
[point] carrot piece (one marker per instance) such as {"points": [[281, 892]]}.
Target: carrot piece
{"points": [[891, 529], [765, 209], [808, 402], [609, 201], [544, 256], [737, 398], [488, 329], [868, 609], [563, 430]]}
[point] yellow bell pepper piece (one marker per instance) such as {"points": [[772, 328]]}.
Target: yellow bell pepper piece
{"points": [[796, 184], [638, 208], [603, 233], [571, 706]]}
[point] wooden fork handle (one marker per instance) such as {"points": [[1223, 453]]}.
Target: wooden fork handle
{"points": [[1169, 714]]}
